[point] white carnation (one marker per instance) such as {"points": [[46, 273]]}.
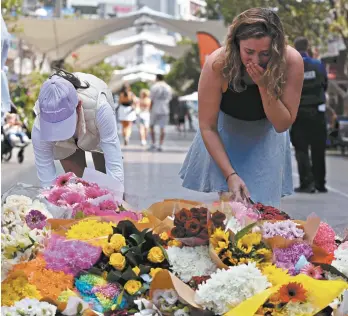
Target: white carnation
{"points": [[296, 309], [18, 200], [30, 307], [341, 260], [228, 288], [188, 262]]}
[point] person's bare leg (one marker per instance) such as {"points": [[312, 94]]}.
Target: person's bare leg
{"points": [[124, 125], [128, 131], [153, 136], [163, 134], [99, 162], [142, 134], [75, 163]]}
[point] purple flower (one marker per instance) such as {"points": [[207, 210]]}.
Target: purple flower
{"points": [[287, 258], [70, 256], [35, 219], [109, 290], [287, 229]]}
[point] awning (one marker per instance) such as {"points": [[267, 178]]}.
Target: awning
{"points": [[57, 38], [89, 55], [116, 85]]}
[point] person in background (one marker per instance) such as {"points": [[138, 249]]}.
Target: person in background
{"points": [[13, 130], [126, 111], [309, 130], [160, 95], [144, 106], [182, 114], [75, 113], [5, 93], [248, 96]]}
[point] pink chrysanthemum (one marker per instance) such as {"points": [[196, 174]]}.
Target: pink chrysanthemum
{"points": [[64, 179], [71, 198], [94, 192], [108, 205], [325, 238], [312, 271], [86, 208], [56, 194]]}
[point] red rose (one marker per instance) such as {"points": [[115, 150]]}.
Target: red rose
{"points": [[218, 218], [195, 212], [178, 232], [182, 217], [192, 227]]}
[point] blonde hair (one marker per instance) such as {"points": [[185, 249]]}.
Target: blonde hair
{"points": [[145, 92], [256, 23]]}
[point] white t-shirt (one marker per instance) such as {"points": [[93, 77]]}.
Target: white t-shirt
{"points": [[160, 94], [109, 143]]}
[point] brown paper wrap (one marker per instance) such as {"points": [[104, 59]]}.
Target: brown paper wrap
{"points": [[165, 280], [216, 259]]}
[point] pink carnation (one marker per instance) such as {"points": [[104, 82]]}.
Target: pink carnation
{"points": [[325, 238], [86, 208], [64, 179], [108, 205], [94, 192], [56, 194], [86, 183], [71, 198]]}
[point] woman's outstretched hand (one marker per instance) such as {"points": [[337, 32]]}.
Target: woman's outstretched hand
{"points": [[237, 189]]}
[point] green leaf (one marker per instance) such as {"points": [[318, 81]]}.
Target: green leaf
{"points": [[95, 271], [144, 269], [137, 238], [79, 215], [131, 258], [79, 308], [119, 299], [129, 274], [243, 232], [331, 269], [114, 276], [124, 250]]}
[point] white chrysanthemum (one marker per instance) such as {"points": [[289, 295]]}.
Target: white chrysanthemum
{"points": [[30, 307], [299, 309], [341, 260], [18, 200], [188, 262], [228, 288]]}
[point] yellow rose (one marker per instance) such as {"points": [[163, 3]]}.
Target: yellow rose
{"points": [[108, 250], [132, 287], [117, 261], [144, 220], [174, 243], [117, 241], [136, 270], [154, 271], [155, 255], [164, 236]]}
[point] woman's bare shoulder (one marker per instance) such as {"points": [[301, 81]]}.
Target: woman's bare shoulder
{"points": [[217, 59]]}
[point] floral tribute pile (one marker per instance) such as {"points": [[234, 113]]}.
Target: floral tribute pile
{"points": [[177, 258]]}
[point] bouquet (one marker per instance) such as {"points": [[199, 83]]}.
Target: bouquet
{"points": [[191, 226], [131, 258], [82, 198]]}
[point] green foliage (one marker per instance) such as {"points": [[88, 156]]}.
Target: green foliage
{"points": [[10, 5], [25, 94], [101, 70], [137, 86], [184, 74]]}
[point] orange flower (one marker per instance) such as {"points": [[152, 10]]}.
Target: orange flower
{"points": [[292, 292]]}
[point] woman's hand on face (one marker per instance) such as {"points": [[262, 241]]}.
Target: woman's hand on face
{"points": [[238, 190], [256, 73]]}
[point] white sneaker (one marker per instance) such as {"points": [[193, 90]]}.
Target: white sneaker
{"points": [[143, 143]]}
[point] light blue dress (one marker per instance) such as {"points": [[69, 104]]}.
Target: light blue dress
{"points": [[260, 156]]}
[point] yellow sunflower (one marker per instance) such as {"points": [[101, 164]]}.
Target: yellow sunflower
{"points": [[248, 241], [266, 253], [219, 240]]}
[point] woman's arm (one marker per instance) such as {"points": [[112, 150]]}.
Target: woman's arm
{"points": [[209, 98], [282, 112]]}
